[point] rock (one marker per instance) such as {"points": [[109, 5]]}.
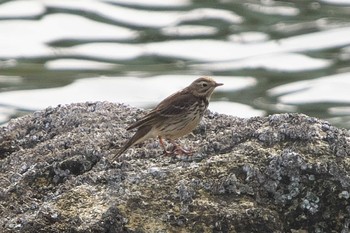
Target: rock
{"points": [[282, 173]]}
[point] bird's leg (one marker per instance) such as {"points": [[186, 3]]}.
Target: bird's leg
{"points": [[179, 150], [163, 146]]}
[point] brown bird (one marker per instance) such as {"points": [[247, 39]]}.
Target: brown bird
{"points": [[175, 116]]}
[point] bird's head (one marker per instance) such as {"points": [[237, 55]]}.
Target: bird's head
{"points": [[203, 87]]}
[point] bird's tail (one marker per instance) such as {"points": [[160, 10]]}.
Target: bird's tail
{"points": [[140, 135]]}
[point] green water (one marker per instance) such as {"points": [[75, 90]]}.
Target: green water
{"points": [[278, 43]]}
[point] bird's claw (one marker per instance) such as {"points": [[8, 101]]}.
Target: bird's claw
{"points": [[177, 150]]}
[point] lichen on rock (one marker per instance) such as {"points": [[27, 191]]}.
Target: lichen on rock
{"points": [[281, 173]]}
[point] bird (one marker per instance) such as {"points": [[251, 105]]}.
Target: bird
{"points": [[174, 117]]}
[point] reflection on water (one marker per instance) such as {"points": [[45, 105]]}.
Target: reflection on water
{"points": [[273, 56]]}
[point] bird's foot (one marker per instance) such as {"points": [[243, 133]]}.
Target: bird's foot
{"points": [[178, 150], [168, 152]]}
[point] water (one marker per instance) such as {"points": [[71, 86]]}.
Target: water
{"points": [[273, 56]]}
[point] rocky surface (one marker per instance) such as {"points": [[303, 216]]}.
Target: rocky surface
{"points": [[282, 173]]}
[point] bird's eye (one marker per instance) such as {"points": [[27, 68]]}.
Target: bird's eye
{"points": [[204, 84]]}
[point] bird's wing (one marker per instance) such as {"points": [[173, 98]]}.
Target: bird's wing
{"points": [[175, 104], [172, 105]]}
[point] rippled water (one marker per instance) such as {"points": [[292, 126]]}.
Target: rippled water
{"points": [[273, 56]]}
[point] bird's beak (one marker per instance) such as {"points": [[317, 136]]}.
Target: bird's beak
{"points": [[218, 84]]}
